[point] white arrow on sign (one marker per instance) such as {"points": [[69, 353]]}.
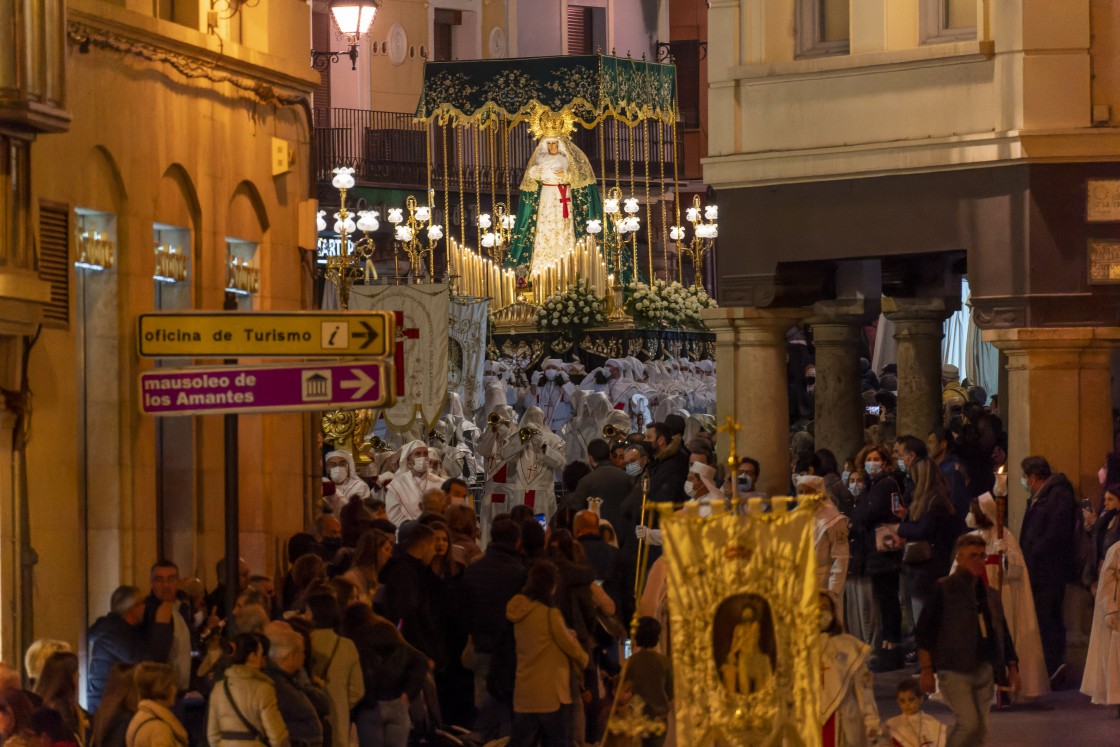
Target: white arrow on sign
{"points": [[363, 383]]}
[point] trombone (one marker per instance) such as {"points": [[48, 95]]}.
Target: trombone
{"points": [[494, 420], [612, 433]]}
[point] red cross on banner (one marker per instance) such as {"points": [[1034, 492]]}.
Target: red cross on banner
{"points": [[403, 333]]}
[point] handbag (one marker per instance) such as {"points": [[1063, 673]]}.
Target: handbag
{"points": [[917, 552], [887, 539]]}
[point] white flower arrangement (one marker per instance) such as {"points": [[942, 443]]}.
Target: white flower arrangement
{"points": [[667, 305], [577, 306]]}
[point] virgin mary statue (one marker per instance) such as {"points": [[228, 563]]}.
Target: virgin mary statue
{"points": [[558, 197]]}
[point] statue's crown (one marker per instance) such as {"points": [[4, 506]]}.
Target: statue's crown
{"points": [[544, 122]]}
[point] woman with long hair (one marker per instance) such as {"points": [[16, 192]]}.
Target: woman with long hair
{"points": [[15, 719], [928, 524], [154, 725], [58, 687], [882, 563], [243, 708], [453, 680], [371, 554], [546, 654], [117, 707]]}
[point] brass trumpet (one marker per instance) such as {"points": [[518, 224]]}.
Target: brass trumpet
{"points": [[494, 420], [611, 433], [528, 433], [378, 445]]}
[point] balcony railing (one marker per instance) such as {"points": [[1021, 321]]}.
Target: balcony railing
{"points": [[390, 149]]}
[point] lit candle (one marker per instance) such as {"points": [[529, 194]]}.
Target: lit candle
{"points": [[1000, 488]]}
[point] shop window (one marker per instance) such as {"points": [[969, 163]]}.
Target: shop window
{"points": [[243, 274], [823, 27], [54, 262], [946, 21]]}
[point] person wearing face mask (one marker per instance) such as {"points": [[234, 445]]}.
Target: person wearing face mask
{"points": [[340, 471], [848, 712], [1007, 572], [830, 539], [552, 392], [860, 614], [1048, 536], [405, 494], [535, 453], [882, 564]]}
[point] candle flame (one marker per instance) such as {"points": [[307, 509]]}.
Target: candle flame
{"points": [[1000, 470]]}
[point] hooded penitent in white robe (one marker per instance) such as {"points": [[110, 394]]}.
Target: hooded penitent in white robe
{"points": [[351, 486], [1101, 681], [534, 459], [1018, 604], [830, 540], [553, 396], [405, 492]]}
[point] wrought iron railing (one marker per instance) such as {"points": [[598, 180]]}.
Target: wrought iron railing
{"points": [[391, 149]]}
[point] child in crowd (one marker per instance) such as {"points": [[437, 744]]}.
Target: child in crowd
{"points": [[649, 676], [914, 728]]}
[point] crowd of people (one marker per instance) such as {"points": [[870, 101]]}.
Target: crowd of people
{"points": [[511, 601]]}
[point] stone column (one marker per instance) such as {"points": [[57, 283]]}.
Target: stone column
{"points": [[838, 406], [751, 386], [1058, 403], [918, 332]]}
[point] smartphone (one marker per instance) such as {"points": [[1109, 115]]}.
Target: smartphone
{"points": [[1087, 504], [896, 502], [542, 520], [873, 409]]}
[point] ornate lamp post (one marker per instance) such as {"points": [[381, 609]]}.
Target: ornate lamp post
{"points": [[352, 19], [619, 234], [407, 233], [704, 232]]}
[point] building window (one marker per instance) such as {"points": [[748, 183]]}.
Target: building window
{"points": [[823, 27], [686, 54], [946, 21], [443, 32], [587, 29], [322, 39]]}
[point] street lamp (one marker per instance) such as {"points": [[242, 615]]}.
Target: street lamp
{"points": [[353, 19], [622, 226]]}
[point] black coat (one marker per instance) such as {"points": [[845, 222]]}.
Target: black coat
{"points": [[872, 511], [111, 640], [667, 473], [406, 598], [488, 585], [949, 627], [300, 714], [606, 481], [607, 564], [390, 667], [1050, 533]]}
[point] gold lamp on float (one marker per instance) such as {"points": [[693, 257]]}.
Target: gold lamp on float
{"points": [[705, 229]]}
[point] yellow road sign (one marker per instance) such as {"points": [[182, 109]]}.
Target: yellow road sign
{"points": [[235, 334]]}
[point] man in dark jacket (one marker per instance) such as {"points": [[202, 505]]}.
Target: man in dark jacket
{"points": [[299, 704], [114, 638], [603, 558], [604, 481], [669, 468], [488, 585], [408, 590], [1047, 537], [167, 623], [962, 637]]}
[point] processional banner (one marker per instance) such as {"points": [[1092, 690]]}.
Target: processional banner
{"points": [[744, 624], [467, 351], [421, 346]]}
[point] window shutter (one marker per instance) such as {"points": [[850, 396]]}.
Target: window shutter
{"points": [[321, 39], [579, 30], [54, 261]]}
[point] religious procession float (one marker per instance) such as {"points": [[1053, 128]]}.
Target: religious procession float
{"points": [[560, 278]]}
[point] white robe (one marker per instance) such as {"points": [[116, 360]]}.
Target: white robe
{"points": [[1101, 681], [847, 689], [403, 496], [534, 463], [922, 731]]}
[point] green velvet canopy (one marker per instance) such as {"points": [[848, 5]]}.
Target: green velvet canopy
{"points": [[592, 87]]}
